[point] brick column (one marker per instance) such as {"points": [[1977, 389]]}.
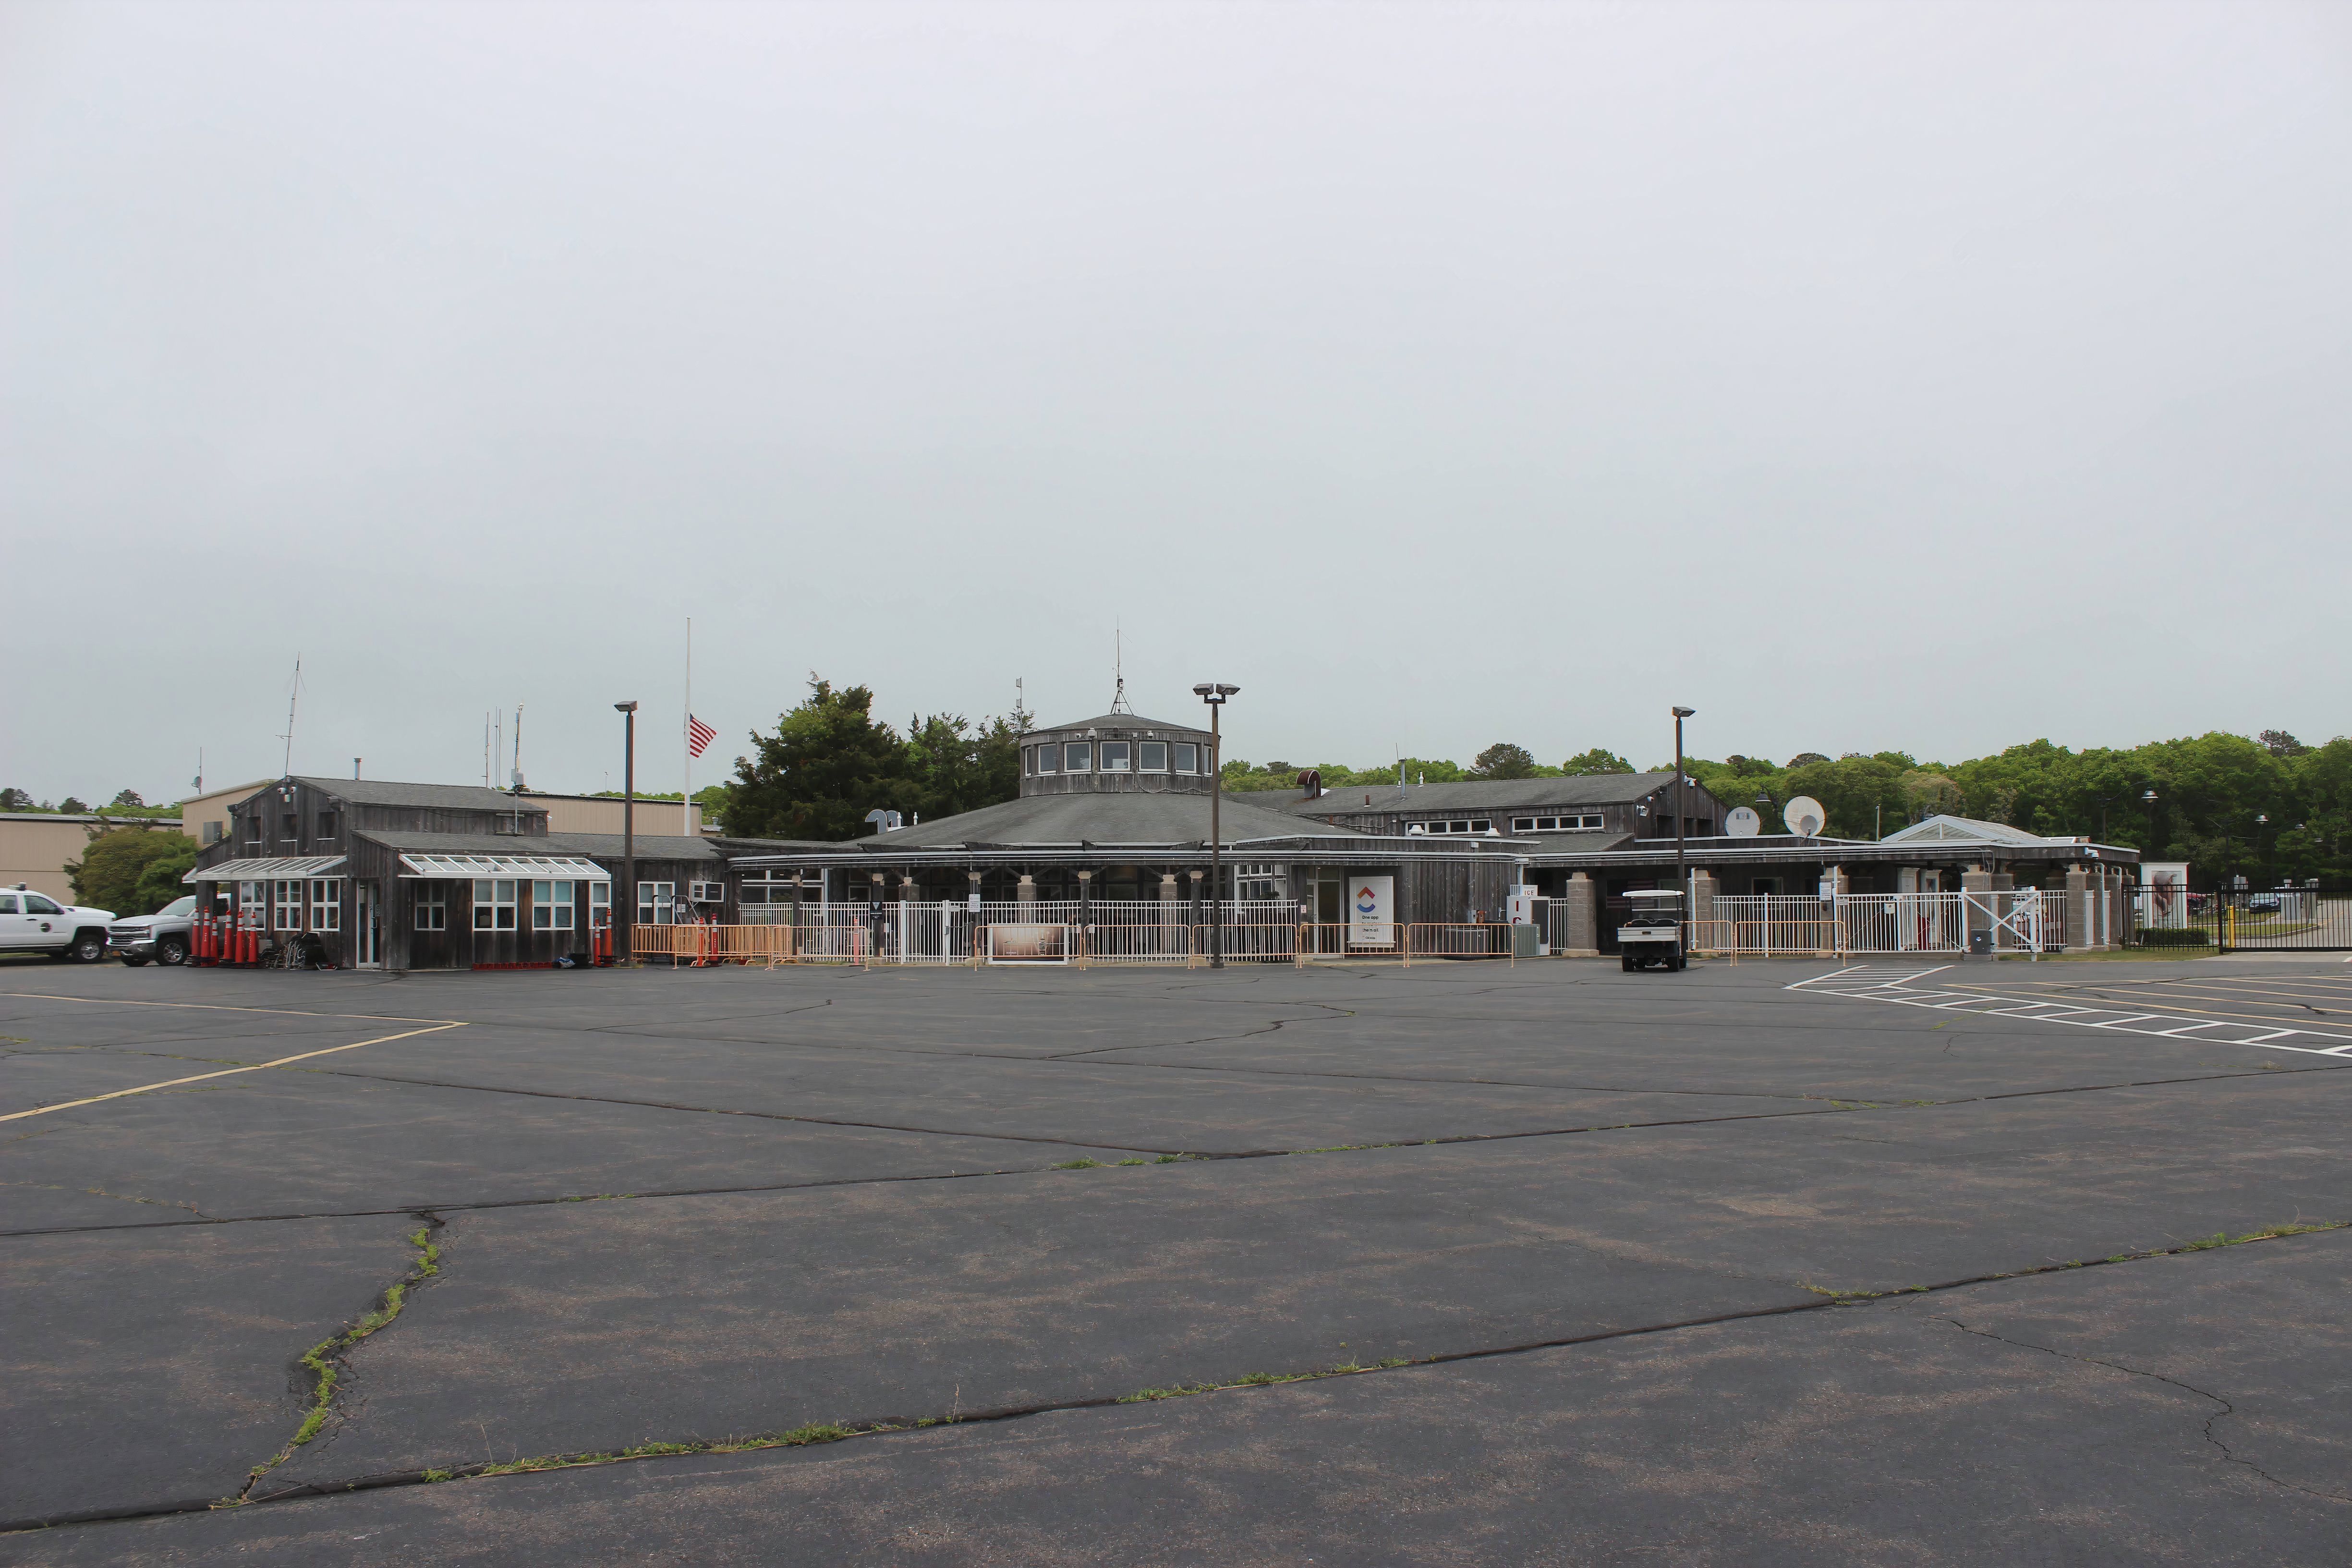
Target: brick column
{"points": [[2082, 933], [1702, 910], [1979, 882]]}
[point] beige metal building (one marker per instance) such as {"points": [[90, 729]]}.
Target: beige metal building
{"points": [[206, 818], [601, 814], [35, 845]]}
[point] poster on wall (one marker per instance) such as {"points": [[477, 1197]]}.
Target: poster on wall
{"points": [[1371, 903], [2166, 884]]}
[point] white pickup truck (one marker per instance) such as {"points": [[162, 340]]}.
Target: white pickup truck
{"points": [[161, 938], [35, 922]]}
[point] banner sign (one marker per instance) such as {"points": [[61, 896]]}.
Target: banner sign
{"points": [[2166, 897], [1371, 903]]}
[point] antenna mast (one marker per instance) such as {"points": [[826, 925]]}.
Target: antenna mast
{"points": [[1119, 671], [293, 695]]}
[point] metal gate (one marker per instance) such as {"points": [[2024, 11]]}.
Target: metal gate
{"points": [[2298, 917]]}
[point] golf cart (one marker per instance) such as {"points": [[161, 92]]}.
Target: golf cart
{"points": [[1652, 933]]}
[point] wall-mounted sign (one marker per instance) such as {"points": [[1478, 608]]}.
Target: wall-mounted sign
{"points": [[1371, 912]]}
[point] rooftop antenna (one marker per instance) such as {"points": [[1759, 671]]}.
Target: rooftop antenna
{"points": [[1020, 707], [517, 775], [1119, 671], [293, 695], [486, 748], [200, 770]]}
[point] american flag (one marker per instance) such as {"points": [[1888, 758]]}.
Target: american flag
{"points": [[697, 735]]}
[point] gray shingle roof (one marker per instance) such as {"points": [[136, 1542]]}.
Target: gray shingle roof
{"points": [[1116, 721], [603, 845], [1485, 796], [1121, 816], [430, 797]]}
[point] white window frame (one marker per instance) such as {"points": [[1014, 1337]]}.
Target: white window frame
{"points": [[1126, 764], [600, 905], [285, 906], [432, 911], [552, 911], [326, 904], [657, 903], [1177, 762], [1143, 763], [1085, 749], [1049, 758], [706, 892], [495, 911]]}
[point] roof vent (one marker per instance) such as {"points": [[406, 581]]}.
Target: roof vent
{"points": [[1311, 781]]}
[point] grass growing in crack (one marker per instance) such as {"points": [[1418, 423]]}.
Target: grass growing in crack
{"points": [[1132, 1161], [2204, 1244], [1258, 1380], [798, 1437], [1080, 1163], [321, 1360]]}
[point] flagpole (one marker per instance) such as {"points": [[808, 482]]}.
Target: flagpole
{"points": [[686, 739]]}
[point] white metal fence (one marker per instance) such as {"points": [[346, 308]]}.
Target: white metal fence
{"points": [[2019, 919]]}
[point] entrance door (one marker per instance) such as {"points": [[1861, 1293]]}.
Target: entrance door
{"points": [[368, 938], [1931, 881]]}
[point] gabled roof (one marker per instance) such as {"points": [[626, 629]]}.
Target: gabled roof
{"points": [[1108, 817], [603, 845], [1961, 830], [430, 797], [1485, 795]]}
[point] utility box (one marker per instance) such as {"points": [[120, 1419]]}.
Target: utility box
{"points": [[1527, 942], [1980, 944]]}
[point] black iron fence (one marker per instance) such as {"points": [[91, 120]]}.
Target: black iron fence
{"points": [[2301, 917]]}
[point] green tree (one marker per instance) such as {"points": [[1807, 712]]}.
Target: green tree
{"points": [[15, 799], [1503, 760], [130, 797], [1599, 760], [70, 804], [956, 767], [828, 763], [131, 870]]}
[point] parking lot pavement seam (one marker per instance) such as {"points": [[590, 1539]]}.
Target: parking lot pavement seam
{"points": [[225, 1072], [2210, 1436], [225, 1007]]}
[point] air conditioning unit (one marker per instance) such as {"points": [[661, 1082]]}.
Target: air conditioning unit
{"points": [[706, 892]]}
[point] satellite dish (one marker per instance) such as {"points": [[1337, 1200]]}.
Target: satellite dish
{"points": [[1743, 823], [1805, 816]]}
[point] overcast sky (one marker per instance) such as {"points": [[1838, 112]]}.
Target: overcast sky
{"points": [[1864, 377]]}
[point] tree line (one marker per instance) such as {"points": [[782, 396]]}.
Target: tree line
{"points": [[2261, 807]]}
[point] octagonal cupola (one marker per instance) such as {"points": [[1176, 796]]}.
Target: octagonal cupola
{"points": [[1115, 753]]}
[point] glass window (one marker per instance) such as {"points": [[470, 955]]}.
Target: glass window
{"points": [[1523, 825], [432, 907], [551, 906], [290, 824], [1029, 758], [1048, 759], [1151, 757], [326, 825], [657, 903], [1115, 755], [1079, 757], [494, 904], [326, 904], [34, 904], [287, 896], [1187, 757], [253, 828], [248, 895], [8, 903], [600, 904]]}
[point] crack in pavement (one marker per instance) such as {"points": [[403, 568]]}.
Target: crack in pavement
{"points": [[2227, 1408], [889, 1426]]}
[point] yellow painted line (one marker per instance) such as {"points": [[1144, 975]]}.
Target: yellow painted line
{"points": [[220, 1007], [227, 1072]]}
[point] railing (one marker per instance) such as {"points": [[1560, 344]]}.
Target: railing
{"points": [[2015, 919], [929, 936]]}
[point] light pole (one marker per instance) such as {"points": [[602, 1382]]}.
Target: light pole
{"points": [[626, 893], [1214, 693], [2150, 800], [2261, 820], [1682, 881]]}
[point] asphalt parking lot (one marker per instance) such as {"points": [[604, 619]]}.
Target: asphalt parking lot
{"points": [[1547, 1263]]}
